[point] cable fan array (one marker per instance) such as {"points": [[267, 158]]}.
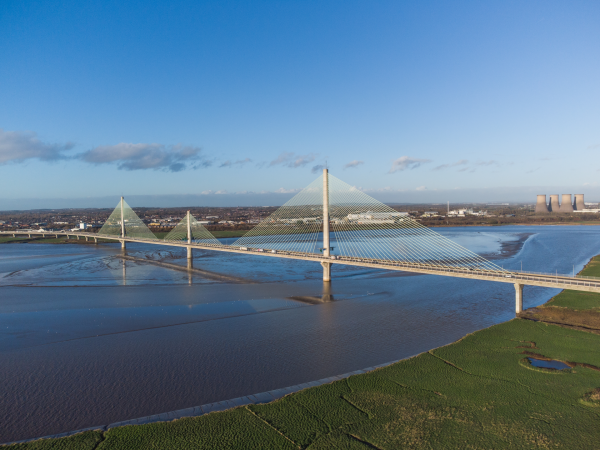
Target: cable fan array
{"points": [[366, 228], [134, 226], [200, 235], [293, 227], [362, 227]]}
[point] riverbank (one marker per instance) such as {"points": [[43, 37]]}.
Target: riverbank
{"points": [[479, 392], [572, 309]]}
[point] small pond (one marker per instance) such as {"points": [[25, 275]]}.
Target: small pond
{"points": [[552, 364]]}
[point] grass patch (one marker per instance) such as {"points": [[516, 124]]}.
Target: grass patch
{"points": [[471, 394], [81, 441], [573, 308], [591, 398]]}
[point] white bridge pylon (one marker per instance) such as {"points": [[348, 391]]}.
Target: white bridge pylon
{"points": [[361, 227]]}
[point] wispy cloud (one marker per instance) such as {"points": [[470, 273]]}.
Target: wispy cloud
{"points": [[488, 163], [406, 162], [18, 146], [421, 188], [238, 163], [174, 158], [289, 159], [287, 191], [462, 162], [318, 168], [352, 164]]}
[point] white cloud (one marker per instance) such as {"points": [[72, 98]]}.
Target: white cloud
{"points": [[421, 188], [127, 156], [18, 146], [287, 191], [462, 162], [318, 168], [289, 159], [238, 163], [406, 162], [354, 163]]}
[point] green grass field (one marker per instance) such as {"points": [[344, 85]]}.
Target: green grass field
{"points": [[577, 300], [479, 392]]}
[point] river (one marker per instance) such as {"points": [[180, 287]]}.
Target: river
{"points": [[89, 339]]}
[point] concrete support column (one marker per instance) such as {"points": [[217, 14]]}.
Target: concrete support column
{"points": [[190, 258], [123, 246], [519, 298], [14, 235], [96, 241], [86, 239], [326, 297], [326, 271], [29, 235]]}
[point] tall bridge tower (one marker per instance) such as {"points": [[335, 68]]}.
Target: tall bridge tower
{"points": [[326, 244]]}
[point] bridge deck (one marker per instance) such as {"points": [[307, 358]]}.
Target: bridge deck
{"points": [[576, 283]]}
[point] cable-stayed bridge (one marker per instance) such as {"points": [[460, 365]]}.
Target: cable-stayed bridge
{"points": [[331, 222]]}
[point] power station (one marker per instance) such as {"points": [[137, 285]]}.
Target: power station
{"points": [[566, 206]]}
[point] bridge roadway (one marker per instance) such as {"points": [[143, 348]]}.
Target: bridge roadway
{"points": [[518, 279]]}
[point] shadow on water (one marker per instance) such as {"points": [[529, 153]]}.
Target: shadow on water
{"points": [[325, 297]]}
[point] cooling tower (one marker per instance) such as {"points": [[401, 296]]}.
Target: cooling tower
{"points": [[541, 206], [566, 205], [554, 203], [578, 205]]}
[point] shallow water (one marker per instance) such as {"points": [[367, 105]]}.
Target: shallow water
{"points": [[553, 364], [89, 339]]}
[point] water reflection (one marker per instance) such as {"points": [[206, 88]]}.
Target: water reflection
{"points": [[325, 297]]}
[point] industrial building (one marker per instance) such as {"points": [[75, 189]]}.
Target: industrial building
{"points": [[566, 205]]}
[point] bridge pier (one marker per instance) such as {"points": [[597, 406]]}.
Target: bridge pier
{"points": [[29, 236], [123, 246], [86, 239], [519, 298], [326, 297], [190, 258], [326, 270], [14, 235], [96, 241]]}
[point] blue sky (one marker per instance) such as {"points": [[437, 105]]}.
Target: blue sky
{"points": [[241, 102]]}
